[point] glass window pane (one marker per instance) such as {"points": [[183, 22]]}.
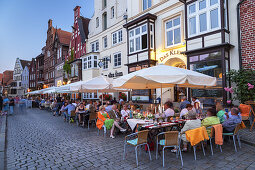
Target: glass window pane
{"points": [[177, 36], [192, 8], [202, 22], [144, 28], [131, 33], [144, 41], [132, 46], [137, 31], [193, 59], [145, 4], [202, 4], [169, 38], [214, 18], [192, 25], [177, 21], [149, 3], [137, 43], [212, 2], [169, 24]]}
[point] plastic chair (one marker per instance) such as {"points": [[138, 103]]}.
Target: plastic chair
{"points": [[172, 139], [98, 130], [140, 140], [92, 117], [234, 135]]}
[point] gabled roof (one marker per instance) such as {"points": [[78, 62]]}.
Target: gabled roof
{"points": [[83, 24], [25, 63], [63, 36]]}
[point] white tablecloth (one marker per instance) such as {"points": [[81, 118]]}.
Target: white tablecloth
{"points": [[133, 122]]}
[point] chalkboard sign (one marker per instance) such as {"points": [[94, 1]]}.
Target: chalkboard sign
{"points": [[207, 93]]}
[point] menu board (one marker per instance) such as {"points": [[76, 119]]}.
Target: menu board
{"points": [[207, 93]]}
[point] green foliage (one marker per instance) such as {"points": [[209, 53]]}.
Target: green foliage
{"points": [[241, 78], [67, 68], [71, 57]]}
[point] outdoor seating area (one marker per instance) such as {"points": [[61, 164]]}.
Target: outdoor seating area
{"points": [[155, 128]]}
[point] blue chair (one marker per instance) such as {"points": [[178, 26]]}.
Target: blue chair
{"points": [[137, 139], [235, 136], [172, 139]]}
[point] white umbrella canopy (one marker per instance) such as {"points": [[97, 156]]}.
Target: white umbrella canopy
{"points": [[163, 76], [49, 90], [99, 84]]}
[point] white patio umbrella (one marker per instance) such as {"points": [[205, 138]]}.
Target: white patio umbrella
{"points": [[49, 90], [163, 76], [101, 84]]}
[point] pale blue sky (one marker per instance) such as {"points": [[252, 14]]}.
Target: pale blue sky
{"points": [[23, 25]]}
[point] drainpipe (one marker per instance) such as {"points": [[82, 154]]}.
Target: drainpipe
{"points": [[239, 33]]}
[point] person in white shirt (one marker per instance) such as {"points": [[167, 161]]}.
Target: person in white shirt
{"points": [[195, 101], [125, 112], [88, 105], [169, 111], [185, 111]]}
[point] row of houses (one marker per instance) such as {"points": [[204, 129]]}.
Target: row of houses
{"points": [[123, 36]]}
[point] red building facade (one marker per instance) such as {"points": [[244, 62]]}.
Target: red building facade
{"points": [[32, 75], [247, 26]]}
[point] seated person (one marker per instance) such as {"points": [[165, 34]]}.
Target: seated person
{"points": [[169, 110], [231, 122], [69, 108], [104, 120], [229, 113], [125, 112], [220, 112], [185, 111], [116, 116], [210, 120], [41, 105], [80, 109], [108, 107], [62, 108], [184, 103], [193, 123]]}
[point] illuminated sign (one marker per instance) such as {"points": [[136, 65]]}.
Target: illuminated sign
{"points": [[169, 54]]}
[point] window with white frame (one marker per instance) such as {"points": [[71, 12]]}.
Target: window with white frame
{"points": [[117, 59], [117, 37], [97, 22], [95, 46], [89, 95], [173, 32], [138, 40], [146, 4], [112, 12], [89, 62], [203, 16], [152, 35], [105, 41], [105, 63]]}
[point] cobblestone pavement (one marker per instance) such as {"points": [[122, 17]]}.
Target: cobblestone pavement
{"points": [[37, 140]]}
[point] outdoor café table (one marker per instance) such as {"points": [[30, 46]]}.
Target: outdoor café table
{"points": [[134, 122]]}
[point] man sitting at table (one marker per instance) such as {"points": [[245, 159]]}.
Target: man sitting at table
{"points": [[184, 103], [184, 112], [168, 110], [116, 116], [231, 122], [193, 123]]}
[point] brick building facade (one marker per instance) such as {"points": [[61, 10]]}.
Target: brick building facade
{"points": [[39, 69], [32, 75], [247, 26]]}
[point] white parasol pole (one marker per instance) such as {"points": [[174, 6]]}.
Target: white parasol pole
{"points": [[161, 101], [102, 98]]}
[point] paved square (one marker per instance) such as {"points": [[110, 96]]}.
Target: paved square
{"points": [[38, 140]]}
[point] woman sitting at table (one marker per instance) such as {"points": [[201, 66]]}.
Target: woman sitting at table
{"points": [[193, 123], [169, 112], [104, 120], [210, 120], [125, 112], [62, 108], [80, 110]]}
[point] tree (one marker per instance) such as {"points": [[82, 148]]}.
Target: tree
{"points": [[244, 79]]}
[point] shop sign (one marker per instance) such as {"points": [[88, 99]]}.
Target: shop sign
{"points": [[116, 74], [170, 53]]}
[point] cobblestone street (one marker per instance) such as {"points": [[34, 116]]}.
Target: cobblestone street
{"points": [[37, 140]]}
